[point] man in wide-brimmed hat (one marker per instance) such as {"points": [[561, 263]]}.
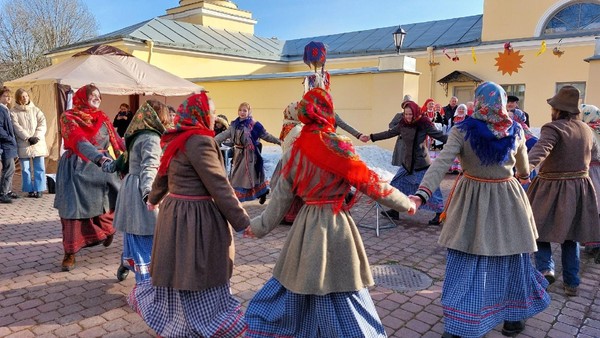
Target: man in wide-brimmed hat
{"points": [[564, 149]]}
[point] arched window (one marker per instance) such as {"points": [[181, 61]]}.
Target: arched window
{"points": [[583, 16]]}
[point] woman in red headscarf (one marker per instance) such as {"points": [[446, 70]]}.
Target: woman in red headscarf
{"points": [[193, 250], [86, 196], [413, 130], [320, 281]]}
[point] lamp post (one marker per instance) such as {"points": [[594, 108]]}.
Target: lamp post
{"points": [[399, 35]]}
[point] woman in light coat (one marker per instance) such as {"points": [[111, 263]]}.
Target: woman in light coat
{"points": [[30, 129]]}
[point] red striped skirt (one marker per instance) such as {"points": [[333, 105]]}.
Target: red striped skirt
{"points": [[81, 233]]}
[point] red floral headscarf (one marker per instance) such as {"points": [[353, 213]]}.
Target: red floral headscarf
{"points": [[193, 118], [325, 149], [83, 122], [424, 108]]}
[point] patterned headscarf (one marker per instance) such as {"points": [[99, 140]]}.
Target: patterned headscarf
{"points": [[490, 130], [145, 120], [591, 116], [193, 118], [83, 122], [325, 149], [290, 119]]}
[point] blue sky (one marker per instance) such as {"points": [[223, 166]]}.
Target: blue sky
{"points": [[290, 19]]}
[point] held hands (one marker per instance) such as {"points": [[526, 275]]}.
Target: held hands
{"points": [[151, 206], [107, 165], [364, 138], [416, 201], [248, 233]]}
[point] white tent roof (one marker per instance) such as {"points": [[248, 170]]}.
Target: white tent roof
{"points": [[116, 73]]}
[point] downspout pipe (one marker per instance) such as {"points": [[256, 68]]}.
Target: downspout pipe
{"points": [[150, 45]]}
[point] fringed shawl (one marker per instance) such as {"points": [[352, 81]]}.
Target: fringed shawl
{"points": [[324, 149], [83, 122]]}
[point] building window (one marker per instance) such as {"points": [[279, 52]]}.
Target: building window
{"points": [[583, 16], [579, 85], [517, 90]]}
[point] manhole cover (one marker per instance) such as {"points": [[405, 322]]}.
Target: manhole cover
{"points": [[400, 278]]}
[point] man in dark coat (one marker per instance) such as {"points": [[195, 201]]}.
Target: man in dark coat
{"points": [[449, 111], [8, 148], [512, 103]]}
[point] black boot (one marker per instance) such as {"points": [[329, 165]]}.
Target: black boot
{"points": [[511, 329], [263, 198], [436, 220], [449, 335], [393, 214], [122, 272]]}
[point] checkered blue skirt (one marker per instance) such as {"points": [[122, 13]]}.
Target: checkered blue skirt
{"points": [[275, 312], [136, 255], [481, 292], [408, 184], [178, 313]]}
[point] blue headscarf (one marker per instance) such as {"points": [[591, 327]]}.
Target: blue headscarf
{"points": [[490, 130]]}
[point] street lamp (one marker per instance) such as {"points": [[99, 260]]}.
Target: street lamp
{"points": [[399, 35]]}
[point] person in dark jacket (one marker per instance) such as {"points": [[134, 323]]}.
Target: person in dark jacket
{"points": [[413, 129], [122, 120], [8, 148]]}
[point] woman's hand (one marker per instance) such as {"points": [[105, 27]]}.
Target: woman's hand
{"points": [[248, 233], [151, 206], [417, 201], [364, 138]]}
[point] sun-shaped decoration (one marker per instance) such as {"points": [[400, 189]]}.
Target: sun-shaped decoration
{"points": [[509, 61]]}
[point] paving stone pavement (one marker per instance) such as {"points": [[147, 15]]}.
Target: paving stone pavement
{"points": [[37, 299]]}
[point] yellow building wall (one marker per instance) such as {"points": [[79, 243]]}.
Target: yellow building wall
{"points": [[513, 19], [570, 67], [346, 63]]}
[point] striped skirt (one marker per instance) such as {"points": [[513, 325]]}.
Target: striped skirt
{"points": [[86, 232], [136, 255], [178, 313], [275, 312], [481, 292]]}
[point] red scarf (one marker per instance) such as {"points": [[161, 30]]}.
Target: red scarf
{"points": [[83, 122], [325, 149], [193, 118]]}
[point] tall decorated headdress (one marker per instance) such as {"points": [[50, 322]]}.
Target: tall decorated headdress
{"points": [[315, 55]]}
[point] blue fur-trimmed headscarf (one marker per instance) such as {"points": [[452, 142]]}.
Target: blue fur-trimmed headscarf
{"points": [[490, 130]]}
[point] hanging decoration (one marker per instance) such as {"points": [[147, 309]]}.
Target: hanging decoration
{"points": [[454, 58], [509, 61], [315, 55], [542, 49], [473, 55], [557, 51]]}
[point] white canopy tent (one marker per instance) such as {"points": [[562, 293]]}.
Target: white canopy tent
{"points": [[112, 70]]}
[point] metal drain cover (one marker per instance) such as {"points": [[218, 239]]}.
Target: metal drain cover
{"points": [[400, 278]]}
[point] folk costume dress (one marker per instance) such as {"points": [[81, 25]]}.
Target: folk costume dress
{"points": [[132, 216], [247, 174], [193, 249], [85, 195], [289, 132], [564, 150], [416, 158], [320, 280], [489, 228]]}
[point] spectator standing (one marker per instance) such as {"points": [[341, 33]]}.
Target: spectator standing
{"points": [[513, 104], [8, 148], [449, 111], [30, 128], [122, 120]]}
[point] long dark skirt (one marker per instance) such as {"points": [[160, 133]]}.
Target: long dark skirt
{"points": [[81, 233]]}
